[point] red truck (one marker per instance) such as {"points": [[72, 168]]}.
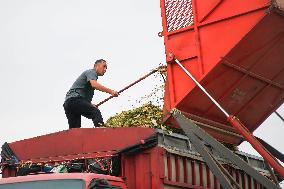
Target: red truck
{"points": [[62, 181], [234, 49], [135, 158]]}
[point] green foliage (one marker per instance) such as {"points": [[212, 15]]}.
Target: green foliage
{"points": [[147, 115]]}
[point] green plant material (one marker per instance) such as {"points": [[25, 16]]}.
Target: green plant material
{"points": [[156, 95], [148, 115]]}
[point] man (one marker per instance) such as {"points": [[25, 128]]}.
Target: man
{"points": [[78, 98]]}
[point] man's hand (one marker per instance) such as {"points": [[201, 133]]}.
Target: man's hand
{"points": [[114, 93]]}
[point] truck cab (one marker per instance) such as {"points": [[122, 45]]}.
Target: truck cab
{"points": [[63, 181]]}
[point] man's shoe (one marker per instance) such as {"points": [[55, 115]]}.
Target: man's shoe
{"points": [[98, 124], [101, 124]]}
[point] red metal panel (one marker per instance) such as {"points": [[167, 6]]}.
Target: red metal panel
{"points": [[87, 177], [185, 166], [237, 177], [234, 48], [8, 172], [158, 167], [199, 175], [209, 11], [83, 141], [128, 166], [169, 166], [143, 170], [215, 182], [150, 169], [193, 173], [177, 169], [208, 177], [137, 171]]}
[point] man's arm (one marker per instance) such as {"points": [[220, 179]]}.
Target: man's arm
{"points": [[102, 88]]}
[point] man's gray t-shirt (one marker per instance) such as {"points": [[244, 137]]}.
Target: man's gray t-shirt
{"points": [[82, 87]]}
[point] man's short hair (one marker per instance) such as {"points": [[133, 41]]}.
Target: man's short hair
{"points": [[99, 61]]}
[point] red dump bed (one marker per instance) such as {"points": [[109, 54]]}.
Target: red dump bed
{"points": [[235, 49]]}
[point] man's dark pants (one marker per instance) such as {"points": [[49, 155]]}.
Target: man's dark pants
{"points": [[77, 107]]}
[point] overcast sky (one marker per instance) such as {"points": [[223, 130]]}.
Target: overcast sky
{"points": [[45, 45]]}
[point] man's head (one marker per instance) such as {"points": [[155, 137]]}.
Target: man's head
{"points": [[100, 66]]}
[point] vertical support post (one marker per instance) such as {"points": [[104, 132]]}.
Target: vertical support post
{"points": [[197, 38]]}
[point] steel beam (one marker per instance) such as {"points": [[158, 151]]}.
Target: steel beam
{"points": [[199, 146], [236, 123], [191, 129]]}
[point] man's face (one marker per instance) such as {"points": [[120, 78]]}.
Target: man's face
{"points": [[101, 68]]}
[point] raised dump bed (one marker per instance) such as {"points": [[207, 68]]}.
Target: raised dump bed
{"points": [[235, 50]]}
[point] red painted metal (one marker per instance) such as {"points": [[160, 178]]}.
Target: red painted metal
{"points": [[8, 172], [185, 170], [86, 177], [208, 177], [76, 143], [201, 174], [257, 146], [235, 50], [153, 168], [215, 182], [237, 177], [177, 168], [240, 127], [155, 174], [169, 167], [193, 172]]}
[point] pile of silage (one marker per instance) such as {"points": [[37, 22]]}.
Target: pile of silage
{"points": [[147, 115]]}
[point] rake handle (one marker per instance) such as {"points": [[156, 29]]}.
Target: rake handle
{"points": [[128, 86]]}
